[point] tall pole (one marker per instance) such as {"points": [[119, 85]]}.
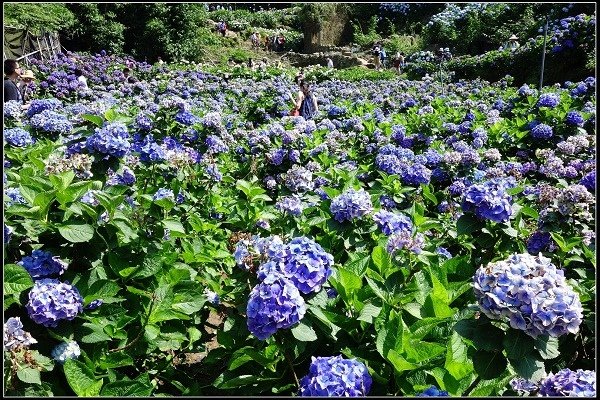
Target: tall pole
{"points": [[543, 54]]}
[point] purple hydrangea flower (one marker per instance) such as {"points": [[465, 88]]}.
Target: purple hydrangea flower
{"points": [[299, 179], [36, 106], [589, 181], [94, 304], [51, 122], [574, 118], [65, 350], [541, 131], [42, 264], [433, 392], [390, 222], [336, 377], [531, 292], [291, 205], [351, 204], [579, 383], [163, 193], [51, 301], [112, 140], [538, 242], [274, 304], [404, 239], [216, 145], [14, 336]]}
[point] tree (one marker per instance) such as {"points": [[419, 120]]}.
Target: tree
{"points": [[38, 17]]}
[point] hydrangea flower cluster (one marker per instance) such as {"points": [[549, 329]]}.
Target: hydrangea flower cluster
{"points": [[36, 106], [579, 383], [41, 264], [51, 301], [550, 100], [18, 137], [304, 262], [163, 193], [112, 140], [350, 205], [488, 200], [12, 109], [51, 122], [433, 392], [299, 179], [390, 222], [274, 304], [14, 335], [64, 351], [541, 131], [404, 239], [292, 205], [532, 292], [336, 377]]}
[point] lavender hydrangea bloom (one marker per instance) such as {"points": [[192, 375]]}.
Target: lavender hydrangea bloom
{"points": [[574, 118], [299, 179], [538, 242], [579, 383], [65, 350], [52, 122], [216, 145], [336, 377], [36, 106], [291, 205], [212, 297], [550, 100], [488, 200], [51, 301], [12, 109], [351, 204], [42, 264], [523, 385], [531, 292], [404, 239], [163, 193], [274, 304], [14, 335], [390, 222], [15, 196], [433, 392], [18, 137]]}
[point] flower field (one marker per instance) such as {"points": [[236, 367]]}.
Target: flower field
{"points": [[182, 235]]}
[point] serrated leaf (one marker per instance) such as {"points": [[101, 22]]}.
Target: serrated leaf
{"points": [[369, 312], [381, 259], [467, 224], [81, 379], [529, 368], [547, 347], [304, 332], [489, 365], [77, 233], [95, 119], [457, 362], [29, 375], [400, 363], [517, 344], [175, 227], [16, 279]]}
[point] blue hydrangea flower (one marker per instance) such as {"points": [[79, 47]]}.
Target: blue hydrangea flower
{"points": [[443, 252], [15, 337], [574, 118], [42, 264], [36, 106], [299, 179], [18, 137], [304, 262], [112, 140], [292, 205], [163, 193], [539, 241], [51, 122], [186, 118], [65, 350], [216, 145], [350, 205], [336, 377], [433, 392], [489, 201], [149, 150], [51, 301], [541, 131], [94, 304], [277, 156], [12, 109], [550, 100], [579, 383], [274, 304], [212, 297], [589, 181], [404, 239], [14, 195], [531, 292], [7, 233], [390, 222]]}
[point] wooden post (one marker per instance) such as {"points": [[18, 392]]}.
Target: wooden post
{"points": [[543, 55]]}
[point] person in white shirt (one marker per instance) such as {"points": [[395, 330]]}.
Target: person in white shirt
{"points": [[80, 78], [329, 63]]}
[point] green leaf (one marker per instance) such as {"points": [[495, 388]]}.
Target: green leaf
{"points": [[115, 360], [381, 259], [304, 332], [467, 224], [428, 195], [489, 365], [349, 281], [399, 363], [95, 119], [457, 362], [517, 344], [369, 312], [102, 289], [547, 347], [529, 368], [16, 279], [96, 336], [82, 379], [175, 227], [77, 233], [140, 387], [29, 375], [61, 181], [419, 351]]}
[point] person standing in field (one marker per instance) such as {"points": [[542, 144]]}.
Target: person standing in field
{"points": [[306, 101], [12, 72]]}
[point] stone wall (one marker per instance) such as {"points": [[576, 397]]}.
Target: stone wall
{"points": [[332, 31]]}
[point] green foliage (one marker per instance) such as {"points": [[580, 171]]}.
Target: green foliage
{"points": [[48, 17], [402, 43], [368, 38]]}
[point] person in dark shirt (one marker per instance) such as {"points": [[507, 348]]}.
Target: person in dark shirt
{"points": [[12, 72]]}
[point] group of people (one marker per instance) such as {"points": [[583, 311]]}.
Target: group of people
{"points": [[18, 85], [273, 43], [380, 58]]}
